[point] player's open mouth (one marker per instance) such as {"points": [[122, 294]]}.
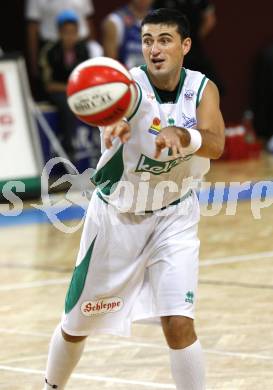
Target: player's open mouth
{"points": [[157, 61]]}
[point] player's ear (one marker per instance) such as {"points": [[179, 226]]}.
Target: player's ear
{"points": [[186, 45]]}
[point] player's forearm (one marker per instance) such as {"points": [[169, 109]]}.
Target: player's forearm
{"points": [[212, 144], [204, 143]]}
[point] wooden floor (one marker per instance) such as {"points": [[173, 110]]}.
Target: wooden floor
{"points": [[234, 317]]}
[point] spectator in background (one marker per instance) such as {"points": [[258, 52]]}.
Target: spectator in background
{"points": [[57, 60], [202, 18], [121, 33], [41, 27]]}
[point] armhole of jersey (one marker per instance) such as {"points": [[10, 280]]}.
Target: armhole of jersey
{"points": [[137, 104], [201, 90]]}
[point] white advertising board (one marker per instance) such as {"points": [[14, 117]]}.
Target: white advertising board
{"points": [[20, 155]]}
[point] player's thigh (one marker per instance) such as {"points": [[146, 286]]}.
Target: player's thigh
{"points": [[174, 274]]}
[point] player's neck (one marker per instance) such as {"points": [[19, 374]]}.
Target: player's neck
{"points": [[166, 83]]}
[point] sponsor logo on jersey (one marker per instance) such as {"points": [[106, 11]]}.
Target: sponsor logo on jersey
{"points": [[155, 126], [189, 121], [189, 297], [156, 167], [189, 94], [101, 306], [171, 122], [150, 96]]}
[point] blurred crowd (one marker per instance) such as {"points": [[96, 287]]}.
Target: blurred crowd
{"points": [[61, 34]]}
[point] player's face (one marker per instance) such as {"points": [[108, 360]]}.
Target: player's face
{"points": [[163, 49]]}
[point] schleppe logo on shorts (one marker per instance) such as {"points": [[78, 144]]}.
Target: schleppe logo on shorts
{"points": [[101, 306]]}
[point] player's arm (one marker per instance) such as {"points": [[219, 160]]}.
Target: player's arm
{"points": [[110, 39], [209, 138], [210, 123]]}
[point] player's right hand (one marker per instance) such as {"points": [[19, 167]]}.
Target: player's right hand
{"points": [[120, 129]]}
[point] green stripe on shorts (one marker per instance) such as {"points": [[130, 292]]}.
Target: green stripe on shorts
{"points": [[78, 280]]}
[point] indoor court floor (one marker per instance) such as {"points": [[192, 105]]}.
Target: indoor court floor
{"points": [[234, 314]]}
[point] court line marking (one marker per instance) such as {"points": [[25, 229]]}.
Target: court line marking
{"points": [[38, 283], [207, 350], [203, 263], [25, 333], [228, 283], [235, 259], [120, 343], [96, 378], [43, 356], [243, 355]]}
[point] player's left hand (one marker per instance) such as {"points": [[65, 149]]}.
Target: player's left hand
{"points": [[174, 138], [120, 129]]}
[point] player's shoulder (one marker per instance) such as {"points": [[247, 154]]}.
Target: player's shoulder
{"points": [[193, 74], [194, 78], [137, 70], [139, 74]]}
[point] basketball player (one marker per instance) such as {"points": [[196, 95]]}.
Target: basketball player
{"points": [[138, 255]]}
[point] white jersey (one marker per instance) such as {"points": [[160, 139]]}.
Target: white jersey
{"points": [[128, 176]]}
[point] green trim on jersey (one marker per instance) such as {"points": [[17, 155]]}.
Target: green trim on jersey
{"points": [[174, 203], [183, 75], [138, 103], [110, 173], [199, 91], [78, 280]]}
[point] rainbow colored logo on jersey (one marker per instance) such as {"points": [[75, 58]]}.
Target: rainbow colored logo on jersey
{"points": [[155, 127]]}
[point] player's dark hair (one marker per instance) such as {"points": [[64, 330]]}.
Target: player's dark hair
{"points": [[170, 17]]}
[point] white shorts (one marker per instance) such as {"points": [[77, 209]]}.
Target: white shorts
{"points": [[133, 267]]}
